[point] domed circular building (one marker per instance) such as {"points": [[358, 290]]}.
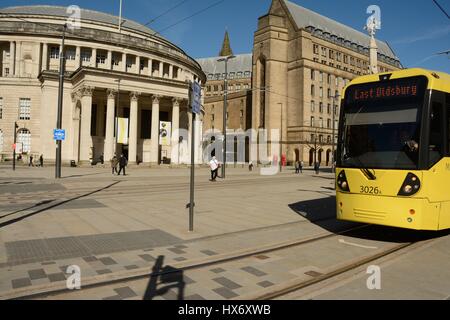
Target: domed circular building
{"points": [[119, 75]]}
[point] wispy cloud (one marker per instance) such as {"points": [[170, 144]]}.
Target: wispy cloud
{"points": [[430, 35]]}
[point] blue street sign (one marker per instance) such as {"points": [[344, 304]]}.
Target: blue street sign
{"points": [[59, 134], [196, 100]]}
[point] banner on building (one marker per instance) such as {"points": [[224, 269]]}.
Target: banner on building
{"points": [[122, 130], [165, 133]]}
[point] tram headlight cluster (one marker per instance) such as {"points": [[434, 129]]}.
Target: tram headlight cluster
{"points": [[342, 182], [411, 185]]}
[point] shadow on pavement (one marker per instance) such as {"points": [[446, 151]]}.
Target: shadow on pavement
{"points": [[322, 212], [18, 219], [169, 277]]}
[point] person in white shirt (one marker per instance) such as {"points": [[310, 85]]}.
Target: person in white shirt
{"points": [[214, 165]]}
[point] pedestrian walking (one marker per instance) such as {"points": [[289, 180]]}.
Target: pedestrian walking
{"points": [[31, 164], [297, 167], [250, 166], [317, 167], [214, 165], [122, 164], [114, 162], [41, 160], [301, 167]]}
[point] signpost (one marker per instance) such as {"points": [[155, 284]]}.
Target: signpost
{"points": [[195, 94], [59, 134]]}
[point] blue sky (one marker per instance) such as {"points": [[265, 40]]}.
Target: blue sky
{"points": [[416, 30]]}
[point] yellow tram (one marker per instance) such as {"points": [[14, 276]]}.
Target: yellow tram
{"points": [[393, 154]]}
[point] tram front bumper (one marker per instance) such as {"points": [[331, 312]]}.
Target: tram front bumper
{"points": [[411, 213]]}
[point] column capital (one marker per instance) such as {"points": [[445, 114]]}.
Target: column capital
{"points": [[156, 98], [176, 101], [111, 93], [134, 95], [86, 91]]}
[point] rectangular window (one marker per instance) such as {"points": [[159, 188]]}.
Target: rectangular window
{"points": [[324, 52], [329, 109], [6, 71], [338, 56], [321, 122], [329, 79], [321, 76], [345, 59], [313, 90], [313, 106], [312, 121], [24, 109], [316, 49], [436, 132], [1, 108], [86, 56], [101, 58], [54, 53], [321, 92], [331, 54], [313, 74], [329, 124], [70, 54], [321, 107]]}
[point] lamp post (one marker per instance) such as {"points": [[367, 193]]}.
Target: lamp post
{"points": [[60, 104], [281, 137], [15, 145], [333, 141], [116, 115], [225, 88]]}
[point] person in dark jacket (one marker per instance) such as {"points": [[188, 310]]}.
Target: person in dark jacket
{"points": [[122, 164], [41, 160]]}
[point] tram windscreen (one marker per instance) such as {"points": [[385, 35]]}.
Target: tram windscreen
{"points": [[381, 124]]}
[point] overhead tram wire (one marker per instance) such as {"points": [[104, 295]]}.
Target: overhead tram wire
{"points": [[441, 8], [189, 17], [166, 12]]}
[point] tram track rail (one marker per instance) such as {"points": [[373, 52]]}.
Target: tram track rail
{"points": [[141, 274]]}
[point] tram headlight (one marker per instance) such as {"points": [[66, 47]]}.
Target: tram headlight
{"points": [[410, 186], [342, 182]]}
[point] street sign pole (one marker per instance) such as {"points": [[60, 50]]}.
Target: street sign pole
{"points": [[60, 105], [195, 104], [14, 146]]}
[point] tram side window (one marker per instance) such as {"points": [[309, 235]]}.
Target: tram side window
{"points": [[448, 123], [436, 133]]}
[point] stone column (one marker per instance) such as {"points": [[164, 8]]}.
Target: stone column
{"points": [[175, 130], [18, 63], [138, 65], [12, 58], [94, 58], [44, 64], [170, 71], [154, 156], [133, 141], [109, 60], [124, 62], [109, 136], [86, 114], [161, 69], [150, 67], [78, 57]]}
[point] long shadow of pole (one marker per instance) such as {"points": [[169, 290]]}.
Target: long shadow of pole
{"points": [[166, 275]]}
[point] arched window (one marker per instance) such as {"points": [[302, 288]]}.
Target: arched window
{"points": [[1, 141], [24, 137]]}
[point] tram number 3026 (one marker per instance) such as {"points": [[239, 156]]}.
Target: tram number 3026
{"points": [[370, 190]]}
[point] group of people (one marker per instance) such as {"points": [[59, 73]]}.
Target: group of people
{"points": [[120, 162], [31, 162], [298, 167]]}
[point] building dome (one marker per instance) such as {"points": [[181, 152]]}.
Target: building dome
{"points": [[131, 73]]}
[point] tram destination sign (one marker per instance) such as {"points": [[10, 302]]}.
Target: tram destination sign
{"points": [[398, 88]]}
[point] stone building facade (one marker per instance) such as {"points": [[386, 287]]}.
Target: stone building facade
{"points": [[301, 61], [239, 100], [130, 73]]}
